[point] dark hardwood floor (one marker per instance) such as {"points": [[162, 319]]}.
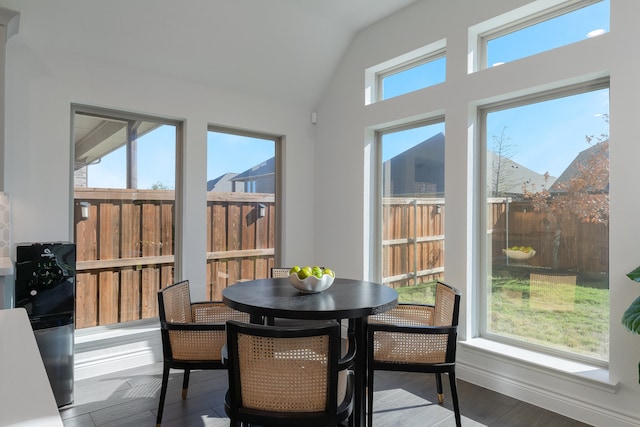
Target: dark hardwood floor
{"points": [[130, 398]]}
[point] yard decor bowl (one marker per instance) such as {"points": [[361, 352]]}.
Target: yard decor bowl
{"points": [[311, 284], [518, 254]]}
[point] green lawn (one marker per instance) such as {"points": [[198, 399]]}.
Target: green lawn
{"points": [[581, 327]]}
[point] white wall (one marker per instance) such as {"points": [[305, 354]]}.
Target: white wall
{"points": [[345, 127], [43, 82]]}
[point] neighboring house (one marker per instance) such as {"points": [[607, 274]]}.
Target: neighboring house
{"points": [[512, 178], [582, 160], [221, 183], [420, 170], [259, 179]]}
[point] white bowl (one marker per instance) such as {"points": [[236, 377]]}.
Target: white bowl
{"points": [[311, 284], [519, 255]]}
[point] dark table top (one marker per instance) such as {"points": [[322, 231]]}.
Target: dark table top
{"points": [[345, 299]]}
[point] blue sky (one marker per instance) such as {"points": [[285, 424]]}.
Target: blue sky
{"points": [[557, 126], [232, 153]]}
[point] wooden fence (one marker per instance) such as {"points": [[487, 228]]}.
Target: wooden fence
{"points": [[125, 246], [124, 253], [412, 240], [240, 239], [573, 245]]}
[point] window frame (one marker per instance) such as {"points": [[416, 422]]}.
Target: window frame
{"points": [[279, 150], [481, 303], [536, 17], [376, 216], [178, 239], [406, 66], [414, 58]]}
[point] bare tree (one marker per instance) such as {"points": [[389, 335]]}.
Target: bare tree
{"points": [[502, 175]]}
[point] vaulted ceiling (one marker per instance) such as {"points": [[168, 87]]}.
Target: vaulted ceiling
{"points": [[282, 49]]}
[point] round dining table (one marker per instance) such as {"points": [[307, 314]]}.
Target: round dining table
{"points": [[350, 299]]}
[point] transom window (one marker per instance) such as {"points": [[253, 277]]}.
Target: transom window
{"points": [[544, 30], [410, 77], [407, 73]]}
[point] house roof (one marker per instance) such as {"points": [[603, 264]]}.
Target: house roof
{"points": [[268, 167], [575, 166], [221, 183], [519, 177]]}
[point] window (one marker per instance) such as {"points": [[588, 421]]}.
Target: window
{"points": [[544, 31], [414, 76], [547, 212], [242, 183], [412, 181], [407, 73], [124, 216]]}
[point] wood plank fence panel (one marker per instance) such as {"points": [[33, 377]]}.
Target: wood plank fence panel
{"points": [[248, 231], [86, 300], [578, 246], [167, 276], [129, 295], [108, 248], [413, 240], [107, 274], [129, 279]]}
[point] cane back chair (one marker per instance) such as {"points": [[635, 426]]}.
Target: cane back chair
{"points": [[287, 376], [193, 334], [417, 338]]}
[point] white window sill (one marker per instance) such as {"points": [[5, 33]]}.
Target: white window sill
{"points": [[121, 332], [105, 349], [581, 373]]}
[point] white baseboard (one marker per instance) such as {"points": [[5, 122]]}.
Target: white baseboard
{"points": [[113, 363], [587, 398], [107, 350]]}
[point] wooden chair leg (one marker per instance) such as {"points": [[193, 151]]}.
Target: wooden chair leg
{"points": [[185, 383], [439, 388], [163, 393], [454, 397]]}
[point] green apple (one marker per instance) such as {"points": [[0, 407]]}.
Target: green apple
{"points": [[304, 272], [329, 272], [294, 270], [316, 271]]}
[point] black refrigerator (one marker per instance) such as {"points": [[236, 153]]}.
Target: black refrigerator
{"points": [[45, 286]]}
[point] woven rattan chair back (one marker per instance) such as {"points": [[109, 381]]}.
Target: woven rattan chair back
{"points": [[279, 272], [445, 305], [176, 303], [286, 375], [193, 334], [417, 338]]}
